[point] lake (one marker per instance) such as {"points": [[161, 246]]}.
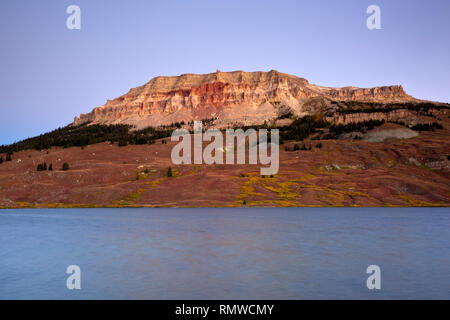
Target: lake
{"points": [[229, 253]]}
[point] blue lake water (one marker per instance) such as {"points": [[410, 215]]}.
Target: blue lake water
{"points": [[301, 253]]}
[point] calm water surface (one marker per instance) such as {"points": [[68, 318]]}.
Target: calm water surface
{"points": [[314, 253]]}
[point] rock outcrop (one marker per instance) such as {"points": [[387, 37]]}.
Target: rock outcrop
{"points": [[229, 98], [402, 115]]}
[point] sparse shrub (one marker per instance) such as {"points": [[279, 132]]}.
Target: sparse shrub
{"points": [[364, 126], [88, 134], [348, 107], [42, 167], [427, 126], [319, 145], [123, 143], [296, 147], [244, 202], [302, 128], [65, 166], [169, 172]]}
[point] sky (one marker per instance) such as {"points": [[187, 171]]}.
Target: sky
{"points": [[49, 73]]}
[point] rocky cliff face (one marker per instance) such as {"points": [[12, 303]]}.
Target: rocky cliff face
{"points": [[229, 97]]}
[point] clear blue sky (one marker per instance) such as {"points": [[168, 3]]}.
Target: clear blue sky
{"points": [[50, 74]]}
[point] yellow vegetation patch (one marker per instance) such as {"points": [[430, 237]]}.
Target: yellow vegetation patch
{"points": [[274, 203], [284, 190], [334, 197], [271, 183], [154, 183], [305, 177], [131, 198], [247, 190], [420, 203], [288, 192], [194, 170]]}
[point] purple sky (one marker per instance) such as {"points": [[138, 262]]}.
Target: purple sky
{"points": [[50, 74]]}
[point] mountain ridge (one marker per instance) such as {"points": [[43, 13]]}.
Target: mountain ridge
{"points": [[230, 97]]}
